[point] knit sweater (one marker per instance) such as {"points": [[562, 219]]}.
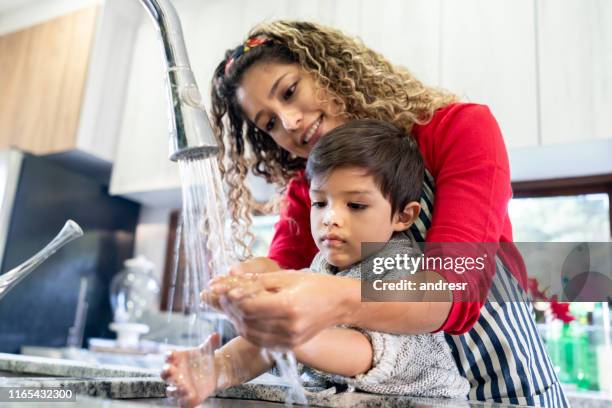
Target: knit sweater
{"points": [[417, 365]]}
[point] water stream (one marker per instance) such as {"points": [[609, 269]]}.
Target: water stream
{"points": [[209, 251]]}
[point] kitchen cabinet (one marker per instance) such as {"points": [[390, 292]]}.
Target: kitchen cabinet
{"points": [[43, 74], [488, 56], [63, 79], [142, 170], [103, 104], [575, 70], [407, 33]]}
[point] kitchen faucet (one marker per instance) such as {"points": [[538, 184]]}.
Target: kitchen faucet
{"points": [[70, 231], [191, 136]]}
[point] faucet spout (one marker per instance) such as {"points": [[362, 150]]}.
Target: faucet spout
{"points": [[191, 135], [70, 231]]}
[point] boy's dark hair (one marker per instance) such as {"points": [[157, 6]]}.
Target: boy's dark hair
{"points": [[386, 152]]}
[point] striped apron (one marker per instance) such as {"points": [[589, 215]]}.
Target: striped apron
{"points": [[502, 355]]}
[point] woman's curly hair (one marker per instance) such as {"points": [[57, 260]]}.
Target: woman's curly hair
{"points": [[359, 80]]}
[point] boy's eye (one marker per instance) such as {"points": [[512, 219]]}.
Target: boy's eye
{"points": [[270, 124], [355, 206], [289, 92], [318, 204]]}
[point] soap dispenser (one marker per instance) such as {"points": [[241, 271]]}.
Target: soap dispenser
{"points": [[133, 292]]}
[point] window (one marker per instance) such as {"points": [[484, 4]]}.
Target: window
{"points": [[562, 210], [263, 229], [571, 218]]}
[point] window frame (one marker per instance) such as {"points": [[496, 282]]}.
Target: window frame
{"points": [[566, 187]]}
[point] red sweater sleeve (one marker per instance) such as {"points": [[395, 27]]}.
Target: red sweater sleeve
{"points": [[292, 246], [464, 150]]}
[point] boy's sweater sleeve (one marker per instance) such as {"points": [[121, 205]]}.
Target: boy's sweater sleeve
{"points": [[417, 365]]}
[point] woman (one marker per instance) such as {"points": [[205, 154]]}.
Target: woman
{"points": [[283, 89]]}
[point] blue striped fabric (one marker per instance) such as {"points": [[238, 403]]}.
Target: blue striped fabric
{"points": [[502, 355]]}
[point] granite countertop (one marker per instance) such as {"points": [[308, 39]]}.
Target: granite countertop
{"points": [[62, 368], [90, 402], [144, 387], [86, 401], [85, 378], [117, 386]]}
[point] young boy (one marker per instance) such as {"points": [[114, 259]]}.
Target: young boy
{"points": [[365, 186]]}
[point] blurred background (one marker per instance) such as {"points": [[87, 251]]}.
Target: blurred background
{"points": [[83, 134]]}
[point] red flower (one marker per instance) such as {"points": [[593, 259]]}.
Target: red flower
{"points": [[560, 310]]}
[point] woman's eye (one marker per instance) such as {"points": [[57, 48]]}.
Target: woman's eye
{"points": [[289, 92], [318, 204], [270, 125], [355, 206]]}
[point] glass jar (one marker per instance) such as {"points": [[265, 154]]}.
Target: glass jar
{"points": [[134, 290]]}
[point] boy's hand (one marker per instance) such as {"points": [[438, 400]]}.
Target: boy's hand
{"points": [[193, 374]]}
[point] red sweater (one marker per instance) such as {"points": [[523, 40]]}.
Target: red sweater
{"points": [[464, 151]]}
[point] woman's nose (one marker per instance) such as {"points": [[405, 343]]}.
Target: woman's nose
{"points": [[291, 119]]}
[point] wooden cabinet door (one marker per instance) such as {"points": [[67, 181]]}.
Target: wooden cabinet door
{"points": [[42, 75], [575, 65]]}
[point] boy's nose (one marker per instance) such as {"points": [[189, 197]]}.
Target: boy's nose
{"points": [[332, 218]]}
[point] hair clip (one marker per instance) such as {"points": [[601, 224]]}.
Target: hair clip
{"points": [[244, 48]]}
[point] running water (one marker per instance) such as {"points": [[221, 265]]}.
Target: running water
{"points": [[209, 251]]}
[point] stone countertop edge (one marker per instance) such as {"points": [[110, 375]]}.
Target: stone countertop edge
{"points": [[69, 368], [113, 387], [266, 392]]}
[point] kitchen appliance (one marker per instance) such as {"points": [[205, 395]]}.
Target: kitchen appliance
{"points": [[38, 195]]}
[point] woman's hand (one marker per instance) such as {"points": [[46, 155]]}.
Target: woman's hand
{"points": [[254, 265], [282, 309]]}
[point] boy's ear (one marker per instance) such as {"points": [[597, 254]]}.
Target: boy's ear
{"points": [[402, 220]]}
